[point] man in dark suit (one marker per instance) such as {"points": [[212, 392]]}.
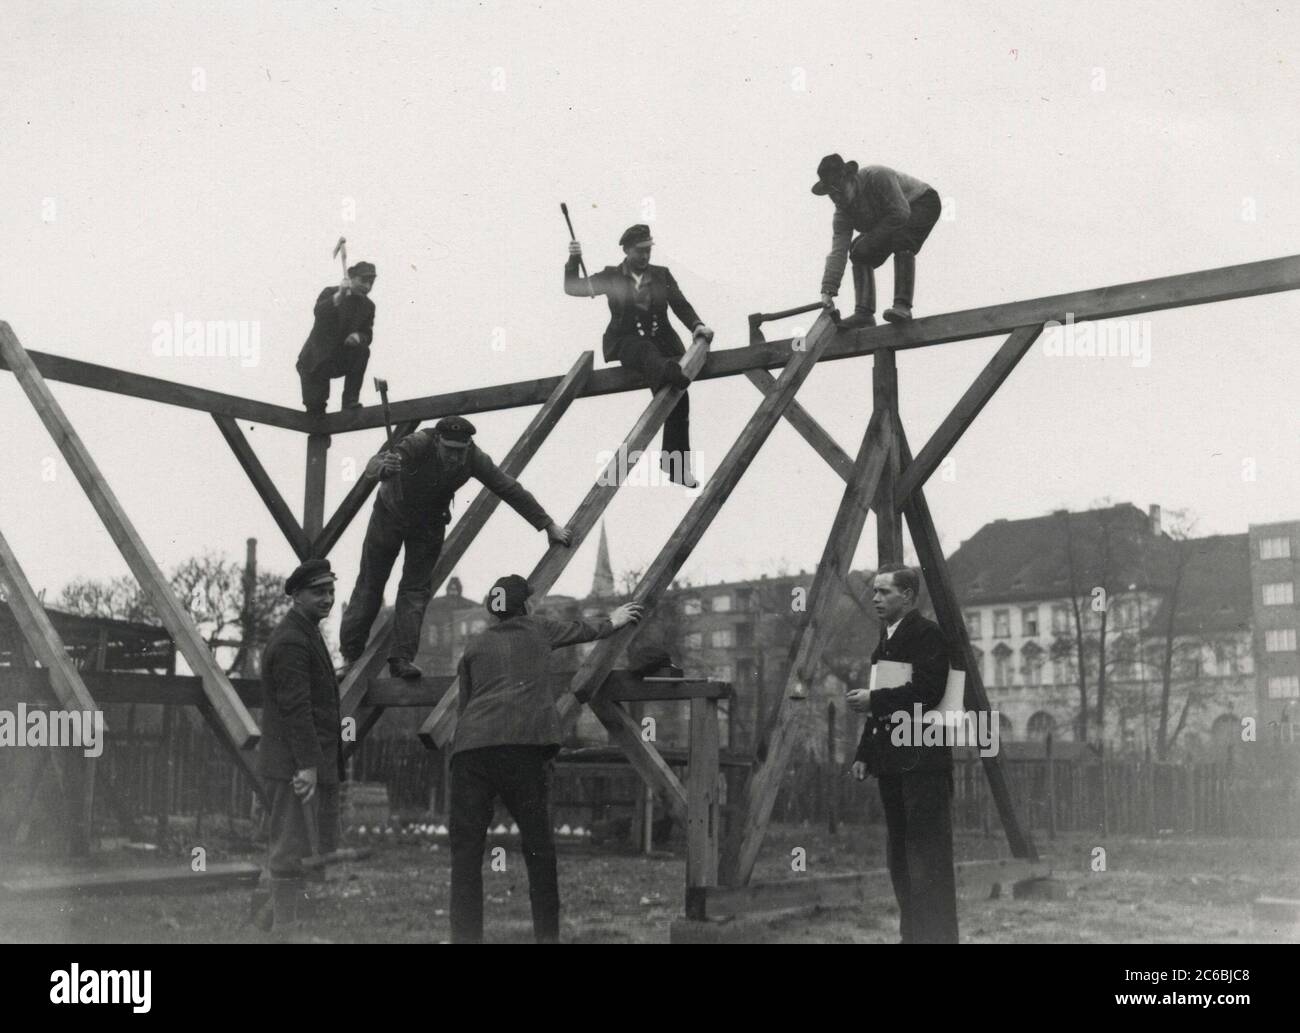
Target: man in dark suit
{"points": [[421, 475], [640, 336], [893, 214], [339, 343], [507, 733], [300, 753], [915, 779]]}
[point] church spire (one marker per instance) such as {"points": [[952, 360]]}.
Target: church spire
{"points": [[602, 584]]}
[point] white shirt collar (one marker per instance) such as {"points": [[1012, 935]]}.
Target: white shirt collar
{"points": [[891, 628]]}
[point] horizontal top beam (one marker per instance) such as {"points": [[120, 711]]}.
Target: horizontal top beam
{"points": [[1126, 299]]}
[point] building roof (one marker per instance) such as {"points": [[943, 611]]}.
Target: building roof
{"points": [[129, 645], [1215, 595]]}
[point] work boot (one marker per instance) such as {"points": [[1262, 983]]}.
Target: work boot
{"points": [[864, 298], [399, 668], [349, 403], [904, 284]]}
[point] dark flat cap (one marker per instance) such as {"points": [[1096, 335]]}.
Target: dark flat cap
{"points": [[361, 269], [634, 235], [508, 595], [313, 572], [830, 170], [454, 428]]}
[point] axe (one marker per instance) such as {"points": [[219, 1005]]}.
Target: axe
{"points": [[341, 249], [381, 385]]}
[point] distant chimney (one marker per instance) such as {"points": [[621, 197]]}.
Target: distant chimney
{"points": [[1154, 513]]}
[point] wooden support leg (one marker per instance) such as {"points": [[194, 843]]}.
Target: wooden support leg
{"points": [[264, 486], [231, 714], [746, 835], [702, 818], [889, 526], [948, 612]]}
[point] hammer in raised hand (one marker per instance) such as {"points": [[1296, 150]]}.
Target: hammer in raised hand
{"points": [[381, 385], [341, 251]]}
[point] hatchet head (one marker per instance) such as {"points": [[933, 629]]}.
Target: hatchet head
{"points": [[339, 246], [381, 385]]}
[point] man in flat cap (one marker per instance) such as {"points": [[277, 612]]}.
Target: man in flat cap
{"points": [[507, 733], [893, 214], [339, 343], [300, 754], [420, 476], [640, 336]]}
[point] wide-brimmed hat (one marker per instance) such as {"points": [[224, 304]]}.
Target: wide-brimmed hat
{"points": [[830, 171]]}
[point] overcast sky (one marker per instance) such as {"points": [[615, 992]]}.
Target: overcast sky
{"points": [[203, 159]]}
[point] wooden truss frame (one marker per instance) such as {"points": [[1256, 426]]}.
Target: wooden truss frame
{"points": [[882, 476]]}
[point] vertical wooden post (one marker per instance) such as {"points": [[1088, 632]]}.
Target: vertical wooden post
{"points": [[702, 800], [248, 665], [313, 504], [884, 397]]}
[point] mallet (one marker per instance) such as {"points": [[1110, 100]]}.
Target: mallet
{"points": [[564, 208]]}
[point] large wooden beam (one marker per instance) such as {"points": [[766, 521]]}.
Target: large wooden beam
{"points": [[1126, 299], [745, 837], [889, 528], [967, 408], [313, 498], [808, 427], [34, 623], [440, 725], [264, 486], [699, 517], [234, 719], [947, 610], [136, 385], [467, 528], [353, 501]]}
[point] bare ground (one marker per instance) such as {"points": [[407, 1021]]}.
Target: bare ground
{"points": [[1164, 890]]}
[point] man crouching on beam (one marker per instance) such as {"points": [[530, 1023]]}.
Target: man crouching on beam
{"points": [[639, 335]]}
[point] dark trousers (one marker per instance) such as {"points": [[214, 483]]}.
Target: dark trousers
{"points": [[873, 250], [518, 774], [289, 841], [350, 364], [919, 821], [650, 356], [386, 535]]}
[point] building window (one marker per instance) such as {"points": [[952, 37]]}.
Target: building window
{"points": [[1274, 548], [431, 636], [973, 631], [1286, 686], [723, 638], [1002, 675], [1041, 725], [1062, 670], [744, 634], [1032, 668], [1279, 640], [691, 607], [1279, 593], [694, 640], [724, 673], [1029, 621], [1001, 623], [979, 661], [479, 626], [721, 604], [1060, 619]]}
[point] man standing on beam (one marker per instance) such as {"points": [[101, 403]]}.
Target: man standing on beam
{"points": [[915, 779], [339, 343], [893, 214], [420, 476], [639, 335], [507, 733]]}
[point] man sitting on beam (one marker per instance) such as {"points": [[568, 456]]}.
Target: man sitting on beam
{"points": [[339, 343], [421, 475], [507, 734], [640, 336], [893, 214]]}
